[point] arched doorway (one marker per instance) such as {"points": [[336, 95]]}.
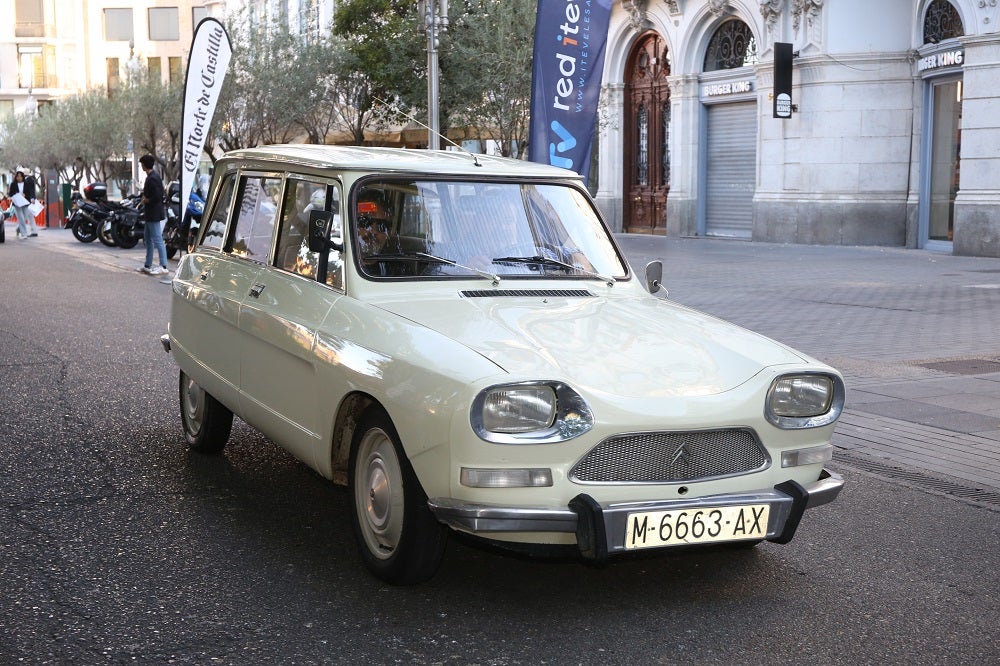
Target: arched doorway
{"points": [[647, 136]]}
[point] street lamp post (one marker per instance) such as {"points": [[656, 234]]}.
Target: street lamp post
{"points": [[433, 22]]}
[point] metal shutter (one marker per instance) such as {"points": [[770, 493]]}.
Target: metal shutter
{"points": [[730, 172]]}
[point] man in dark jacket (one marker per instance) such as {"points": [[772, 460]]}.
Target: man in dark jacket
{"points": [[153, 214]]}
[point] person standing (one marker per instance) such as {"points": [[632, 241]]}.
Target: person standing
{"points": [[153, 214], [22, 194]]}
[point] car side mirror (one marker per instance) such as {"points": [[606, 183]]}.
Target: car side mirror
{"points": [[654, 276], [320, 223]]}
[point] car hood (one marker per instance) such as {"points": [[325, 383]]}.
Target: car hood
{"points": [[619, 345]]}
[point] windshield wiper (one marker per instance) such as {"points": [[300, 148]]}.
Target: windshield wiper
{"points": [[481, 273], [546, 261]]}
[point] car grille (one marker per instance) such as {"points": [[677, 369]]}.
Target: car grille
{"points": [[672, 457]]}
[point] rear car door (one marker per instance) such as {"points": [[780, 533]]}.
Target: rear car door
{"points": [[208, 289]]}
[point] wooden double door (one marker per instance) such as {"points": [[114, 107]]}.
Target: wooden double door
{"points": [[647, 136]]}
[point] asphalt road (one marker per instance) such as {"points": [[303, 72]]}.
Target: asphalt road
{"points": [[118, 546]]}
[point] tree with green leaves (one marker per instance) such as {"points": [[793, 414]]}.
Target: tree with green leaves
{"points": [[486, 65]]}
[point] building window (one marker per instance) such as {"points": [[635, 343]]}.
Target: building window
{"points": [[198, 14], [114, 75], [29, 20], [36, 66], [155, 69], [176, 72], [942, 22], [118, 25], [163, 24], [733, 45]]}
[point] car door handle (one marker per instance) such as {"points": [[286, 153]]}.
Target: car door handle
{"points": [[256, 290]]}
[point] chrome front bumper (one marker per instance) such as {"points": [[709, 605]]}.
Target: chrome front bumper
{"points": [[600, 528]]}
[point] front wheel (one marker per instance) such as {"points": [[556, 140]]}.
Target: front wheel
{"points": [[398, 537], [207, 422], [105, 233]]}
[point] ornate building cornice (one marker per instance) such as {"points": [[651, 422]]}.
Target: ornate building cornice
{"points": [[719, 7], [808, 9], [637, 18], [770, 11]]}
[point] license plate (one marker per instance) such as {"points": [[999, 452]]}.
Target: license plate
{"points": [[671, 528]]}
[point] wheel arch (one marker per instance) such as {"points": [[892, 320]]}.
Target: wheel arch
{"points": [[346, 422]]}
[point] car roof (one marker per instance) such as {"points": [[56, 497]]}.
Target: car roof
{"points": [[401, 160]]}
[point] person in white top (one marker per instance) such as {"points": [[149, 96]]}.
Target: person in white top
{"points": [[22, 194]]}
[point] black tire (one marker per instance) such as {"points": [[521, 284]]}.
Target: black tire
{"points": [[84, 231], [206, 421], [398, 537], [171, 238], [105, 233], [120, 234]]}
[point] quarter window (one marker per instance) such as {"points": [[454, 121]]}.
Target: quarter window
{"points": [[215, 227]]}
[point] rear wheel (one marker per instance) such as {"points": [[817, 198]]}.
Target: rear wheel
{"points": [[207, 422], [84, 231], [398, 537]]}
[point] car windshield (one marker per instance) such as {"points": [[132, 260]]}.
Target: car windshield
{"points": [[415, 228]]}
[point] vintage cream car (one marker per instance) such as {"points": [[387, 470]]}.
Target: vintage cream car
{"points": [[459, 340]]}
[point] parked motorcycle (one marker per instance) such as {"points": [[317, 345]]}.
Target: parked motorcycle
{"points": [[126, 226], [178, 232], [90, 213]]}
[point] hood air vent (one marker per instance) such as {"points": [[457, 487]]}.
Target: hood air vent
{"points": [[521, 293]]}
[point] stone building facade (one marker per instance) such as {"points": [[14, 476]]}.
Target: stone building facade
{"points": [[893, 138]]}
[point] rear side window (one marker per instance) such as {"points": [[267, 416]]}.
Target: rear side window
{"points": [[257, 206], [215, 226]]}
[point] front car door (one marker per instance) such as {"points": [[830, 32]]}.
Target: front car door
{"points": [[281, 313]]}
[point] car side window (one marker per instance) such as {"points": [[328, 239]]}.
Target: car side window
{"points": [[258, 206], [292, 253], [215, 226]]}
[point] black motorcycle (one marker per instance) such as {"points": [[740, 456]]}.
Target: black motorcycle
{"points": [[90, 213], [126, 226], [179, 229]]}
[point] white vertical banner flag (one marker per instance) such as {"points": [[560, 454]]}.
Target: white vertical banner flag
{"points": [[208, 62]]}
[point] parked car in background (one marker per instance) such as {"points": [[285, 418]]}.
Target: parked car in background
{"points": [[460, 341]]}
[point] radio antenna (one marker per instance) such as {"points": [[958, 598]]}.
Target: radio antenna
{"points": [[410, 116]]}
